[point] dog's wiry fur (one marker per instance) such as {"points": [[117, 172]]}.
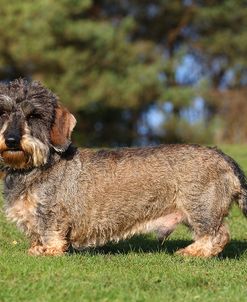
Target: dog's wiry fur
{"points": [[60, 196]]}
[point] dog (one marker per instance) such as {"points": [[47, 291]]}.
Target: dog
{"points": [[62, 196]]}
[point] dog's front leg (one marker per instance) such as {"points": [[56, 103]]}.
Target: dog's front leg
{"points": [[53, 237], [52, 243], [36, 246]]}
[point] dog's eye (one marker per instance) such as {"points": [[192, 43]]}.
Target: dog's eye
{"points": [[3, 113], [33, 116]]}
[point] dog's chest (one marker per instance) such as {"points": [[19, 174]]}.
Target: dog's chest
{"points": [[22, 211]]}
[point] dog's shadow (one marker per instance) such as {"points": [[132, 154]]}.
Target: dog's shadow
{"points": [[140, 244]]}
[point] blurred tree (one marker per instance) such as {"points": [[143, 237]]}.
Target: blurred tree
{"points": [[221, 45], [86, 59], [111, 62], [161, 24], [204, 44]]}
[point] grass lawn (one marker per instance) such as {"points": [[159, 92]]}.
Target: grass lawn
{"points": [[135, 270]]}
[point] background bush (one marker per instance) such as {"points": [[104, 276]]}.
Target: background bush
{"points": [[135, 72]]}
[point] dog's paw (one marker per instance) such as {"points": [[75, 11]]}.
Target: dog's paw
{"points": [[53, 251], [193, 253], [36, 250], [40, 250]]}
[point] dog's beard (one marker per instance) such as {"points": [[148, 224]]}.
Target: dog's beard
{"points": [[16, 159], [32, 153], [35, 151]]}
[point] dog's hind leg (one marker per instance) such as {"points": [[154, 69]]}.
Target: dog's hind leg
{"points": [[208, 245], [205, 208]]}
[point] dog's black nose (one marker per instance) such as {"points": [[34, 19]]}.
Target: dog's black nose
{"points": [[12, 141]]}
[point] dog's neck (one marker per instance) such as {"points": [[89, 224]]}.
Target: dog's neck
{"points": [[17, 182], [20, 179], [69, 153]]}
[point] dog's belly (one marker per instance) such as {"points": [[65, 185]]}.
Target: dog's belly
{"points": [[99, 235]]}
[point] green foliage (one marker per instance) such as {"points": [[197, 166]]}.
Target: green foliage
{"points": [[222, 26], [123, 56], [85, 61]]}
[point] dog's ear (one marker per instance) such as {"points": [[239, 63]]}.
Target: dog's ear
{"points": [[61, 130]]}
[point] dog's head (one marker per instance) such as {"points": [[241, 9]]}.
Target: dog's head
{"points": [[32, 123]]}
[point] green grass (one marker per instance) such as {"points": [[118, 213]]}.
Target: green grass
{"points": [[135, 270]]}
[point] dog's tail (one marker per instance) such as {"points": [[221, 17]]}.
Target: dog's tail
{"points": [[240, 192], [241, 197]]}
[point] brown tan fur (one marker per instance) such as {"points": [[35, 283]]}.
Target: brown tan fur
{"points": [[23, 212], [61, 196]]}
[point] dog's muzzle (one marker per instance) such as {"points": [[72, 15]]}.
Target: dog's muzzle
{"points": [[13, 155]]}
